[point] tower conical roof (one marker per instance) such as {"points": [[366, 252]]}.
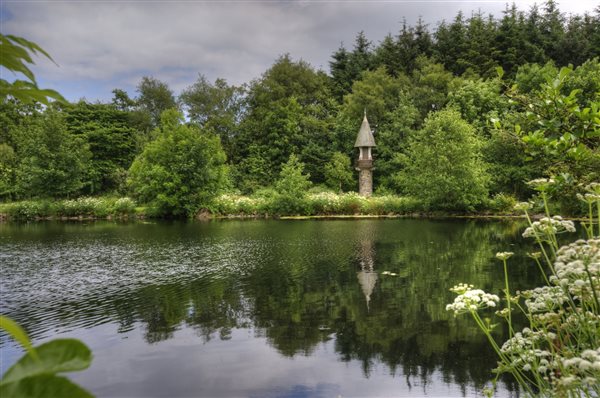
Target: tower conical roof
{"points": [[365, 136]]}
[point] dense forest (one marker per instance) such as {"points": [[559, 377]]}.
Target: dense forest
{"points": [[464, 114]]}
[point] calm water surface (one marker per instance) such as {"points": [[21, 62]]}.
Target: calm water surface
{"points": [[261, 308]]}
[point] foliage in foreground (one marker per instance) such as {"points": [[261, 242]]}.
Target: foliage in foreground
{"points": [[16, 56], [35, 374], [558, 354]]}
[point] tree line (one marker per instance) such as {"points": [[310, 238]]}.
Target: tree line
{"points": [[469, 111]]}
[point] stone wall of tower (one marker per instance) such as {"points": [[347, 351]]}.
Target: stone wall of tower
{"points": [[365, 182]]}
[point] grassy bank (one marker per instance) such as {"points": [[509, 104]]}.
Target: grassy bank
{"points": [[265, 204], [84, 207]]}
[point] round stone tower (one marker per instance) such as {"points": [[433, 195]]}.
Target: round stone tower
{"points": [[364, 165]]}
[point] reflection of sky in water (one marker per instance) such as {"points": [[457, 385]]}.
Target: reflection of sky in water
{"points": [[258, 308], [125, 365]]}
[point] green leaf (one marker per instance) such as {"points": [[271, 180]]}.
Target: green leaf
{"points": [[499, 72], [60, 355], [43, 386], [17, 333]]}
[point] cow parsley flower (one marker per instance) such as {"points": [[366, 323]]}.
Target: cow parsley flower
{"points": [[470, 299]]}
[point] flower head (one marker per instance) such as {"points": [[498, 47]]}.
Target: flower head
{"points": [[471, 300], [504, 255], [523, 206], [541, 184]]}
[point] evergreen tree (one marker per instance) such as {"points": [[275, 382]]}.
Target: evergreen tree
{"points": [[340, 73], [387, 55], [451, 45], [361, 57], [551, 28]]}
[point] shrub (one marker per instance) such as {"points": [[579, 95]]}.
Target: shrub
{"points": [[26, 210], [443, 168], [503, 203], [85, 206], [123, 207], [181, 171]]}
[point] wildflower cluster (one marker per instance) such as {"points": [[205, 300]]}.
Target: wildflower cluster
{"points": [[97, 207], [544, 299], [321, 203], [559, 353], [541, 184], [577, 268], [471, 300], [547, 227]]}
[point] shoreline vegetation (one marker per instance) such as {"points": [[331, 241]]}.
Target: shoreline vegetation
{"points": [[322, 205]]}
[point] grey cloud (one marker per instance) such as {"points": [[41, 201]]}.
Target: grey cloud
{"points": [[115, 42]]}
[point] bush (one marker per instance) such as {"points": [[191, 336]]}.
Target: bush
{"points": [[181, 171], [85, 206], [443, 169], [27, 210], [123, 207], [503, 203]]}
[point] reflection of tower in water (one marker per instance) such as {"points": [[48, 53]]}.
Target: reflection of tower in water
{"points": [[367, 277]]}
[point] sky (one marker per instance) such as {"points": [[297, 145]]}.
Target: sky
{"points": [[100, 45]]}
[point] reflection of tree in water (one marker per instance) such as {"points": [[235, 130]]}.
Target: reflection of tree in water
{"points": [[325, 280]]}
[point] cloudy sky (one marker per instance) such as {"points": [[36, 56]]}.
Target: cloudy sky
{"points": [[105, 44]]}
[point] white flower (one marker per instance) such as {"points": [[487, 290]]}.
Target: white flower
{"points": [[504, 255], [471, 299]]}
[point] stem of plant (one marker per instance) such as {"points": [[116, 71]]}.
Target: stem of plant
{"points": [[510, 328]]}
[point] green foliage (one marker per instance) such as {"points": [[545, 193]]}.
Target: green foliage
{"points": [[111, 139], [289, 110], [216, 107], [291, 188], [82, 207], [53, 162], [8, 164], [502, 203], [431, 83], [292, 181], [181, 170], [269, 202], [155, 97], [377, 93], [559, 131], [35, 374], [530, 77], [443, 168], [338, 173], [478, 101], [505, 155], [15, 55]]}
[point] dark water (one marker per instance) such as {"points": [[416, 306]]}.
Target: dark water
{"points": [[261, 308]]}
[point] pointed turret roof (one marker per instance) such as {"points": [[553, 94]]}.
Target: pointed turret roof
{"points": [[365, 136]]}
